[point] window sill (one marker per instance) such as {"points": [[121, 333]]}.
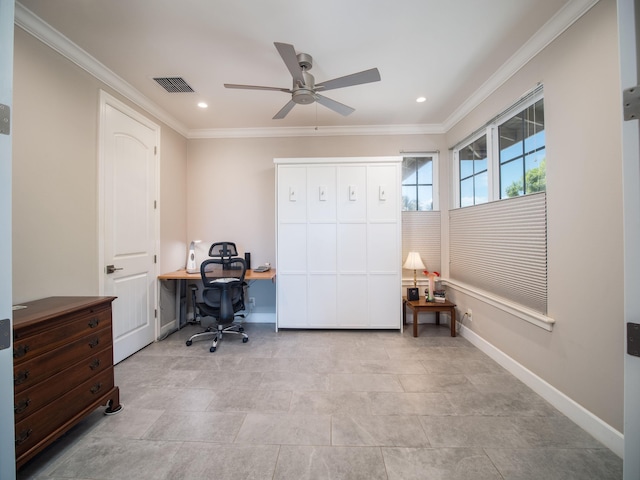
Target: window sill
{"points": [[517, 310]]}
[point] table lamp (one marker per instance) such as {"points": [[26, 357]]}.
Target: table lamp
{"points": [[414, 262], [192, 267]]}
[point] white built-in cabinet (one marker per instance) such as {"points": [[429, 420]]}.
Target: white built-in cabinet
{"points": [[339, 242]]}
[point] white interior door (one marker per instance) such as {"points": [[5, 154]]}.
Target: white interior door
{"points": [[129, 170], [628, 20]]}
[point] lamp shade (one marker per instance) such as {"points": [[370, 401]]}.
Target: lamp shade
{"points": [[414, 262]]}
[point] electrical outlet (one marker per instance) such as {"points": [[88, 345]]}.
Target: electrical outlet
{"points": [[252, 302], [469, 314]]}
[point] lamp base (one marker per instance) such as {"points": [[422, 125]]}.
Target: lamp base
{"points": [[413, 294]]}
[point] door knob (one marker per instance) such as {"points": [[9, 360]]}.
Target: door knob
{"points": [[111, 269]]}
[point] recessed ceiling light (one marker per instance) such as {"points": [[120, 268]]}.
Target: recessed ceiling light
{"points": [[421, 99], [202, 105]]}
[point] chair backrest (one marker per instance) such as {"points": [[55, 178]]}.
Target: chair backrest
{"points": [[223, 250], [223, 282]]}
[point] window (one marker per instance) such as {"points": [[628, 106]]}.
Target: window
{"points": [[505, 158], [473, 173], [417, 183], [521, 141]]}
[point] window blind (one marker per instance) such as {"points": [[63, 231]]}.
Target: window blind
{"points": [[421, 233], [501, 248]]}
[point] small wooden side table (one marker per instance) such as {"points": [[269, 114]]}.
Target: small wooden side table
{"points": [[422, 305]]}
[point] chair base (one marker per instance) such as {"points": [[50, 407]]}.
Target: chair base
{"points": [[218, 331]]}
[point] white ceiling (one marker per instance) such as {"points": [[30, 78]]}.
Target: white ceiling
{"points": [[453, 52]]}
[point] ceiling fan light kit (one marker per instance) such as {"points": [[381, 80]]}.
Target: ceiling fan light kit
{"points": [[304, 90]]}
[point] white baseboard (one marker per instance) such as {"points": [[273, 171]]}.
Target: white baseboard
{"points": [[261, 317], [601, 431]]}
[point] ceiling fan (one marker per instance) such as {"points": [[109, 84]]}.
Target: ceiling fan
{"points": [[305, 90]]}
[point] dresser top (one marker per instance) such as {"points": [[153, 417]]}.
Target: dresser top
{"points": [[45, 308]]}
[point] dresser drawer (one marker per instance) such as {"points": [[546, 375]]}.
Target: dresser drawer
{"points": [[29, 373], [47, 420], [31, 400], [30, 342]]}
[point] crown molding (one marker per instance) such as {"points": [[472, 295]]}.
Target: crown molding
{"points": [[35, 26], [562, 20], [344, 130]]}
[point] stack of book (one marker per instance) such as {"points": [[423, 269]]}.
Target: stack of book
{"points": [[438, 296]]}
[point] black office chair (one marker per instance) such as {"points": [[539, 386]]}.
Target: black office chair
{"points": [[223, 250], [222, 298]]}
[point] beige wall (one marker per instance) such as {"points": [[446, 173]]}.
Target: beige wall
{"points": [[55, 203], [583, 356]]}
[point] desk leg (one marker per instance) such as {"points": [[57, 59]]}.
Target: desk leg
{"points": [[453, 321], [415, 322], [437, 318], [404, 312]]}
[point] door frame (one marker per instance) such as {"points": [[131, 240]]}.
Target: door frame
{"points": [[629, 45], [7, 436], [108, 100]]}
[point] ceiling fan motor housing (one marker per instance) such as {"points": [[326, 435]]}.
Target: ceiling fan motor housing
{"points": [[304, 94]]}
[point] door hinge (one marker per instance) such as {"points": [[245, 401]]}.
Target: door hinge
{"points": [[5, 119], [155, 313], [155, 150], [155, 259], [631, 103]]}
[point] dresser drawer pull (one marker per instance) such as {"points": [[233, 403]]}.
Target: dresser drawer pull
{"points": [[24, 436], [20, 351], [96, 388], [20, 377], [94, 322], [94, 343], [95, 363], [22, 406]]}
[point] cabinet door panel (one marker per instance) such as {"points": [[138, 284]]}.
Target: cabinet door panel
{"points": [[292, 301], [352, 194], [382, 193], [321, 194], [352, 301], [322, 301], [384, 301], [321, 253], [292, 248], [292, 194], [352, 248], [383, 253]]}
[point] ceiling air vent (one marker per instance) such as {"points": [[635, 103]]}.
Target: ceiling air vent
{"points": [[174, 84]]}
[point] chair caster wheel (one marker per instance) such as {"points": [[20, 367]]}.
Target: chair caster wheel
{"points": [[189, 342], [212, 349], [245, 340], [241, 329]]}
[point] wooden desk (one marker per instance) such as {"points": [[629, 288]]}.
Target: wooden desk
{"points": [[182, 277], [422, 305], [249, 276]]}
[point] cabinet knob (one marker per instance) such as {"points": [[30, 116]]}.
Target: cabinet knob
{"points": [[20, 377], [22, 405], [23, 437], [94, 322], [96, 388], [20, 351], [95, 363], [94, 343]]}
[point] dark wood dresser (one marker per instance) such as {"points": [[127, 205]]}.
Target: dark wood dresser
{"points": [[63, 368]]}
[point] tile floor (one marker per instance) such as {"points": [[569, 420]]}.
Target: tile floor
{"points": [[340, 405]]}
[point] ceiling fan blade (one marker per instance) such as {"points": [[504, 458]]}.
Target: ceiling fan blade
{"points": [[288, 54], [284, 110], [341, 108], [367, 76], [256, 87]]}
